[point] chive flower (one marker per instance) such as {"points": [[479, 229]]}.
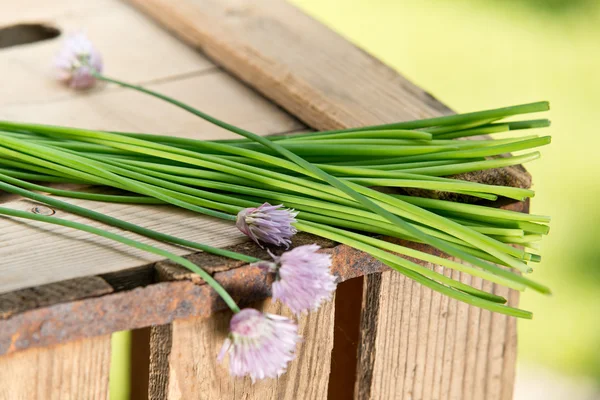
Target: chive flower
{"points": [[77, 61], [303, 280], [268, 224], [260, 345]]}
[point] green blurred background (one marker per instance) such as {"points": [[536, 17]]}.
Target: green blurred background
{"points": [[477, 54]]}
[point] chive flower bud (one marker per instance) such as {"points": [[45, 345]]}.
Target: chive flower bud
{"points": [[260, 345], [303, 280], [268, 224], [76, 62]]}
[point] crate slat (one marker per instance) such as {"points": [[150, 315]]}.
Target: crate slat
{"points": [[71, 371], [133, 48], [184, 367]]}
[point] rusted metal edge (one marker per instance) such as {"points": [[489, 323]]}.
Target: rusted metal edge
{"points": [[163, 302], [156, 304]]}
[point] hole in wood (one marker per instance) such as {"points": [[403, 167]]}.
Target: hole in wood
{"points": [[16, 35], [43, 210]]}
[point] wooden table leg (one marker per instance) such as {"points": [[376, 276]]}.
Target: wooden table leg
{"points": [[72, 371]]}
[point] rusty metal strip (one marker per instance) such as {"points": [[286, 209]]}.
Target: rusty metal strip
{"points": [[163, 302]]}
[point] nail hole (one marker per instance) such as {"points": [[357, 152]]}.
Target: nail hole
{"points": [[19, 34], [42, 210]]}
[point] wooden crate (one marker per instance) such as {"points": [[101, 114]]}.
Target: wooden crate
{"points": [[269, 68]]}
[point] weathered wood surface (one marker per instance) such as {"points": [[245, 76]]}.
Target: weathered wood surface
{"points": [[448, 350], [129, 309], [305, 67], [133, 48], [430, 347], [298, 64], [72, 371], [183, 360], [47, 295], [296, 61]]}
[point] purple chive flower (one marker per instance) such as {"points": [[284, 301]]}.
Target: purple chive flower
{"points": [[268, 224], [76, 61], [259, 345], [303, 280]]}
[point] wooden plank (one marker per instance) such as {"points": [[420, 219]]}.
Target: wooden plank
{"points": [[473, 333], [434, 336], [49, 259], [72, 371], [191, 343], [295, 61], [495, 356], [314, 73], [422, 345], [478, 389], [58, 251], [510, 351], [368, 335], [42, 296], [161, 343], [96, 316], [125, 110], [398, 290], [122, 110], [130, 50], [392, 359], [460, 345], [128, 42]]}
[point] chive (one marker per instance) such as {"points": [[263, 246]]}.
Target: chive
{"points": [[382, 134], [482, 130], [358, 193], [86, 168], [455, 294], [473, 209], [454, 169], [129, 242], [360, 245], [454, 119]]}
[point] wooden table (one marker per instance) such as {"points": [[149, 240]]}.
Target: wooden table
{"points": [[269, 68]]}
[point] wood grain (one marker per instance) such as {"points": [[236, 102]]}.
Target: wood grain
{"points": [[134, 49], [129, 45], [295, 61], [432, 347], [304, 66], [21, 300], [119, 109], [72, 371], [36, 253], [161, 343], [191, 347]]}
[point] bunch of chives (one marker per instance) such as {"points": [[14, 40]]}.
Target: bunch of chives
{"points": [[175, 174], [327, 176]]}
